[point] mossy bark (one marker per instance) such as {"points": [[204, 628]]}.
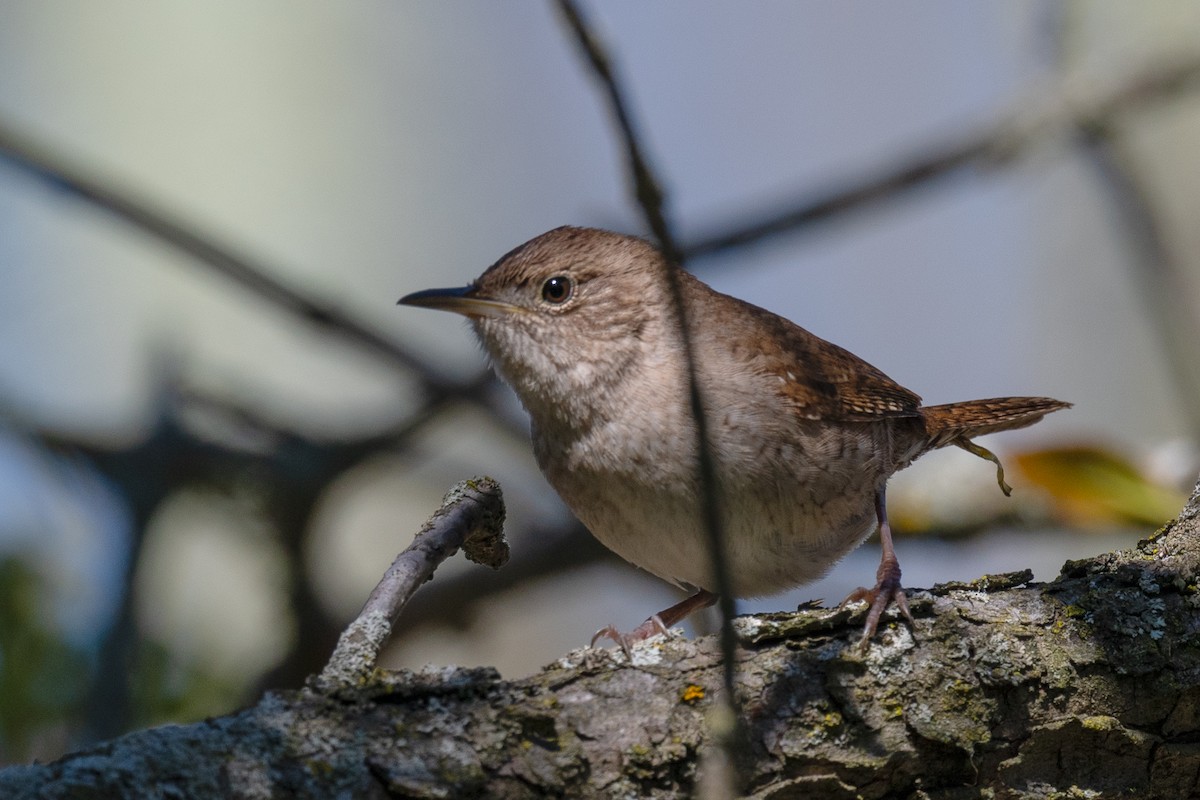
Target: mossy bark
{"points": [[1088, 686]]}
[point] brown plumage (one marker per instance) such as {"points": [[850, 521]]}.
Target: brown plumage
{"points": [[804, 434], [972, 418]]}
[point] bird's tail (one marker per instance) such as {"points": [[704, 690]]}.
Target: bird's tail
{"points": [[978, 417], [957, 423]]}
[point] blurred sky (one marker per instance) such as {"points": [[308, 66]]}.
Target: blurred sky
{"points": [[374, 147]]}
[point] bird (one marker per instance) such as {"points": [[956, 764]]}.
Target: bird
{"points": [[585, 326]]}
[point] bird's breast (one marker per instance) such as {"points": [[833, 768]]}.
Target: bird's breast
{"points": [[791, 505]]}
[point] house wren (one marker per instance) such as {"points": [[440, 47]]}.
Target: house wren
{"points": [[803, 434]]}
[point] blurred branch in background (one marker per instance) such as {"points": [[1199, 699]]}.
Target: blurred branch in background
{"points": [[41, 161], [1044, 118], [292, 471], [1157, 270]]}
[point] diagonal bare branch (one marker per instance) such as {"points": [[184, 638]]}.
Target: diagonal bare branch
{"points": [[251, 274], [471, 518], [1034, 121], [646, 186]]}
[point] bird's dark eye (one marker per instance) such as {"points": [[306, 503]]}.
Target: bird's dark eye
{"points": [[558, 290]]}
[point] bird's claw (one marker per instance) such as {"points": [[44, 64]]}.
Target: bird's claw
{"points": [[626, 641], [887, 591]]}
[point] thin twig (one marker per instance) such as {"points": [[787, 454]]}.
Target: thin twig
{"points": [[471, 518], [1033, 121], [456, 600], [651, 198], [294, 470], [646, 187]]}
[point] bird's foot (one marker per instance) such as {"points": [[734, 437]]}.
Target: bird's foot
{"points": [[659, 623], [626, 641], [887, 579], [886, 591]]}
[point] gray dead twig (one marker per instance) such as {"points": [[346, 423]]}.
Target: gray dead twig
{"points": [[471, 518]]}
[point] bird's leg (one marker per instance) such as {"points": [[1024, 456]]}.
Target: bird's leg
{"points": [[887, 578], [658, 623]]}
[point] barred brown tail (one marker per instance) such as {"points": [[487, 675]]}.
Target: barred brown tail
{"points": [[954, 421], [957, 423]]}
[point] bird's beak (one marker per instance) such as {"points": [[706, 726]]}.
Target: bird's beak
{"points": [[464, 300]]}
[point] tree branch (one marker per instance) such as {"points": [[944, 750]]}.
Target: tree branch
{"points": [[1034, 121], [1087, 684], [1158, 271], [254, 276], [471, 518]]}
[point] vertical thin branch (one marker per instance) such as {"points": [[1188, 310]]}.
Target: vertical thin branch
{"points": [[646, 188], [653, 203], [1155, 266]]}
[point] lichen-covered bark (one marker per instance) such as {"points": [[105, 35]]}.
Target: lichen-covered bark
{"points": [[1085, 687]]}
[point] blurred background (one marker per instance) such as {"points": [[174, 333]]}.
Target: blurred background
{"points": [[206, 464]]}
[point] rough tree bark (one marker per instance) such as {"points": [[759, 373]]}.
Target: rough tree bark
{"points": [[1088, 686]]}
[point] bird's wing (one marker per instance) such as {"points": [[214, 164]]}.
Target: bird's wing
{"points": [[824, 381]]}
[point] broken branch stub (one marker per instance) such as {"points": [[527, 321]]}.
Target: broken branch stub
{"points": [[472, 518]]}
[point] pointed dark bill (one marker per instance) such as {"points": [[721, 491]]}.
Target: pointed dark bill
{"points": [[461, 300]]}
